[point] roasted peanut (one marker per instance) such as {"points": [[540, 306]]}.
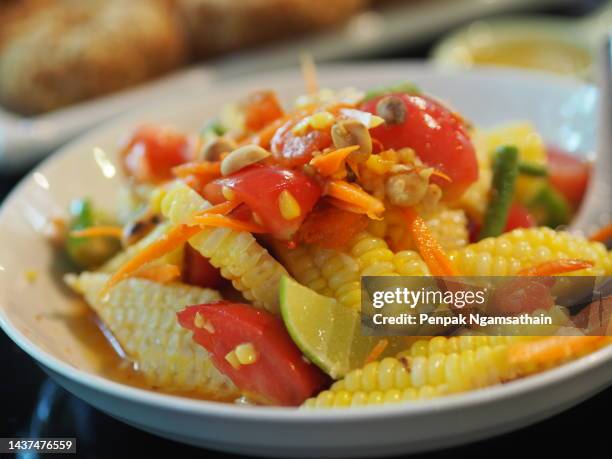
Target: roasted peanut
{"points": [[406, 189], [352, 132], [214, 148], [392, 110], [242, 157]]}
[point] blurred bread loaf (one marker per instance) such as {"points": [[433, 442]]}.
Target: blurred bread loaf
{"points": [[218, 26], [72, 50]]}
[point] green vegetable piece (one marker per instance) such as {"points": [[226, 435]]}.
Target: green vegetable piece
{"points": [[550, 207], [404, 86], [213, 129], [505, 172], [88, 252], [532, 169]]}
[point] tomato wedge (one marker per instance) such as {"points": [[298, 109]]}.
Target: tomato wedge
{"points": [[280, 198], [278, 374], [152, 151], [261, 108], [438, 136], [519, 217], [197, 270], [568, 174], [294, 150]]}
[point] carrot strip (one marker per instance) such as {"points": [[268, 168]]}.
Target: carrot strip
{"points": [[553, 267], [553, 349], [429, 248], [206, 169], [356, 197], [222, 209], [95, 231], [221, 221], [309, 73], [170, 241], [162, 274], [442, 175], [602, 235], [377, 351], [329, 163]]}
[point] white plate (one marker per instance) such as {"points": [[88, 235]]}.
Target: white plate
{"points": [[394, 25], [31, 314]]}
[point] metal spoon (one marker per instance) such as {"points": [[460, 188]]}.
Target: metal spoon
{"points": [[596, 209]]}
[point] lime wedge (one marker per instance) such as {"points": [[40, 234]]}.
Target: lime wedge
{"points": [[328, 333]]}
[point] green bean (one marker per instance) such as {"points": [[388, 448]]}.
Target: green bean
{"points": [[532, 169], [550, 207], [505, 172]]}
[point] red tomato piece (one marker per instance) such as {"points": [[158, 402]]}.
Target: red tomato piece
{"points": [[522, 295], [197, 270], [568, 174], [279, 375], [330, 227], [519, 217], [260, 188], [437, 135], [152, 151], [293, 150], [261, 108]]}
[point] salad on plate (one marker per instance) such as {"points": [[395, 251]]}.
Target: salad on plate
{"points": [[231, 268]]}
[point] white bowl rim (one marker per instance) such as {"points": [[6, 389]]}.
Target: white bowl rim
{"points": [[291, 414]]}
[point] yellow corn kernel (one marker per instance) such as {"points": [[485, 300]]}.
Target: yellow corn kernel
{"points": [[321, 120], [201, 322], [141, 315], [228, 193], [522, 248], [301, 126], [246, 353], [233, 360], [378, 165], [288, 205]]}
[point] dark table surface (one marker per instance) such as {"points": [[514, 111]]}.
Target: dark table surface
{"points": [[32, 405]]}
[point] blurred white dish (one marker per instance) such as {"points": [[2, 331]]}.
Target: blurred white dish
{"points": [[33, 314], [394, 25]]}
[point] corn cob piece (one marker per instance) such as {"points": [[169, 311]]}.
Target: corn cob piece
{"points": [[252, 270], [338, 274], [142, 317], [453, 344], [509, 253], [440, 374], [175, 257], [448, 226]]}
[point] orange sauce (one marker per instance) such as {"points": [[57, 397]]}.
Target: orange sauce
{"points": [[111, 361]]}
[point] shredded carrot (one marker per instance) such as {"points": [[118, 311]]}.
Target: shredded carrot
{"points": [[96, 231], [429, 248], [377, 351], [207, 169], [309, 73], [442, 175], [603, 234], [553, 267], [221, 221], [170, 241], [553, 349], [328, 164], [162, 274], [356, 197], [222, 209]]}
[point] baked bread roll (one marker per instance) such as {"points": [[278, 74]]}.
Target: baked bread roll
{"points": [[218, 26], [72, 50]]}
